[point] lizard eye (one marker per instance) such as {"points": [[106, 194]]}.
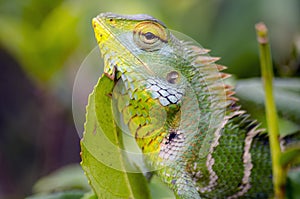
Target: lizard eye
{"points": [[149, 36]]}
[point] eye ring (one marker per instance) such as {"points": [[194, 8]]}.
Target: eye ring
{"points": [[149, 36]]}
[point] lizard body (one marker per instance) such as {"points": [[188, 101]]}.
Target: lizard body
{"points": [[184, 119]]}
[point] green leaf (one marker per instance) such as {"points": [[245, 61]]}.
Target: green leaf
{"points": [[287, 98], [66, 178], [68, 182], [290, 156], [159, 189], [102, 158], [89, 195], [286, 93], [59, 195], [293, 184]]}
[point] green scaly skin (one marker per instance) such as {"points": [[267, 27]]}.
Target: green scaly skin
{"points": [[172, 97]]}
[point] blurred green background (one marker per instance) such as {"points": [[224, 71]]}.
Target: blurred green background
{"points": [[42, 44]]}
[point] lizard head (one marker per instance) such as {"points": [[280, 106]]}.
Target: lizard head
{"points": [[136, 40], [144, 44]]}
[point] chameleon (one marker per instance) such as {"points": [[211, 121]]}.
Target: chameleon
{"points": [[186, 121]]}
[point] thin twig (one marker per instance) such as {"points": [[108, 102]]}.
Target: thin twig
{"points": [[279, 173]]}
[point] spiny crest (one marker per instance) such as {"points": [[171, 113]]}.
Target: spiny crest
{"points": [[212, 72], [206, 64]]}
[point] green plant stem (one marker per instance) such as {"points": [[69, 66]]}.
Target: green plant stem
{"points": [[279, 173]]}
